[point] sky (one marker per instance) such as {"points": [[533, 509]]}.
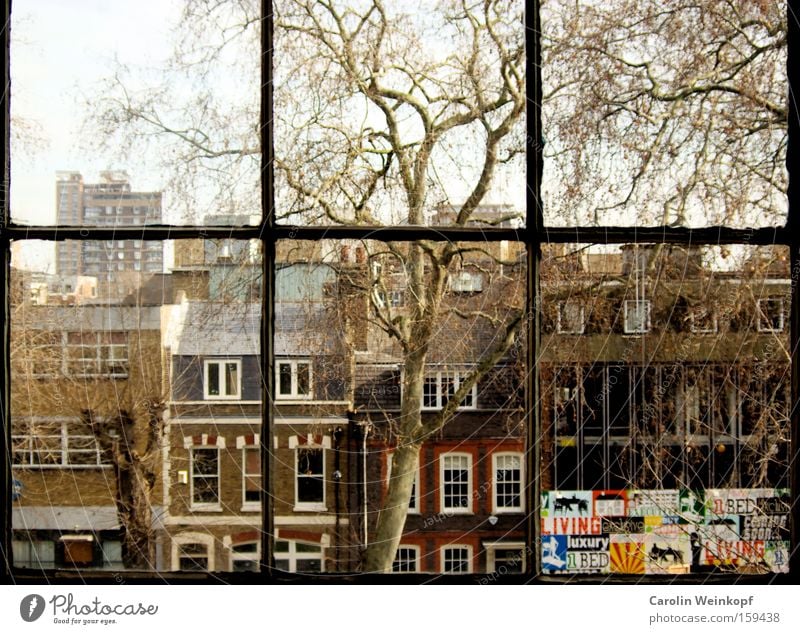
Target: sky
{"points": [[59, 51]]}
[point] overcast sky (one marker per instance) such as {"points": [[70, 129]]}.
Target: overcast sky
{"points": [[59, 51]]}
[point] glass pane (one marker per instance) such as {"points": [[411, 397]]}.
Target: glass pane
{"points": [[231, 379], [303, 378], [310, 490], [329, 313], [213, 379], [94, 425], [308, 565], [664, 117], [436, 137], [206, 461], [679, 435], [284, 378], [172, 99]]}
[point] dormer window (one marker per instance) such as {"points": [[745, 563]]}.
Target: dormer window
{"points": [[222, 379], [293, 379], [440, 387]]}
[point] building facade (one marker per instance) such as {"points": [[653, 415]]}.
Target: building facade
{"points": [[119, 265]]}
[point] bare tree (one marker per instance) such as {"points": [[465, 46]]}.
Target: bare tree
{"points": [[369, 114], [386, 115], [661, 113], [383, 115], [107, 384]]}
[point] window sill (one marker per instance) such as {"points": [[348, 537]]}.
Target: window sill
{"points": [[310, 508], [205, 508], [508, 511], [250, 507], [448, 512]]}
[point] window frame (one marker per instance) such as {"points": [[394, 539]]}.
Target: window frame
{"points": [[195, 506], [535, 234], [626, 316], [239, 555], [221, 362], [293, 394], [292, 555], [496, 457], [103, 367], [64, 449], [250, 505], [491, 552], [455, 510], [306, 506], [560, 329], [438, 376], [443, 556], [399, 561]]}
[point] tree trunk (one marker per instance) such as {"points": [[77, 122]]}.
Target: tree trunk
{"points": [[381, 551]]}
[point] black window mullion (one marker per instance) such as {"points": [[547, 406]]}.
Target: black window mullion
{"points": [[5, 367], [793, 225], [267, 563], [667, 235]]}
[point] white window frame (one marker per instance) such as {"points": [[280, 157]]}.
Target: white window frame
{"points": [[237, 555], [491, 561], [496, 457], [293, 556], [103, 367], [412, 510], [633, 305], [293, 394], [564, 328], [441, 399], [28, 444], [408, 548], [207, 363], [250, 505], [454, 510], [191, 539], [763, 316], [310, 506], [204, 506], [443, 556]]}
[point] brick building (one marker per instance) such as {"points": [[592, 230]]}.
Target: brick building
{"points": [[84, 377]]}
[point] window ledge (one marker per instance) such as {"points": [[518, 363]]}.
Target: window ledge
{"points": [[310, 508], [249, 507], [206, 508]]}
